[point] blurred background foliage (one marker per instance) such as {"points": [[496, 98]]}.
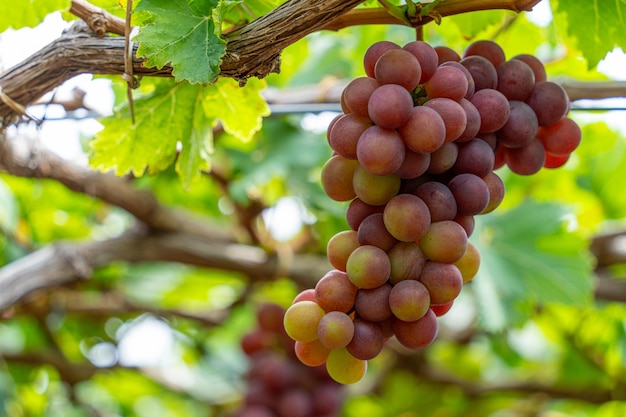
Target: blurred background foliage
{"points": [[526, 338]]}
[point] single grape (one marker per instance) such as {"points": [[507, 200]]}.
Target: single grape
{"points": [[407, 261], [424, 131], [398, 66], [487, 49], [474, 157], [416, 334], [439, 199], [301, 320], [345, 368], [340, 246], [345, 134], [311, 353], [528, 159], [535, 64], [482, 70], [520, 128], [409, 300], [560, 138], [335, 330], [496, 191], [445, 54], [390, 105], [373, 304], [427, 57], [471, 85], [270, 317], [470, 192], [368, 340], [445, 241], [549, 101], [448, 82], [380, 151], [469, 263], [443, 280], [443, 158], [256, 341], [338, 176], [516, 80], [453, 116], [406, 217], [335, 292], [493, 107], [374, 52], [357, 94], [372, 231], [368, 267], [375, 190], [413, 165]]}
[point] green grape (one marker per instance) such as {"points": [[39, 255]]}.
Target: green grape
{"points": [[301, 320], [469, 263], [375, 190], [345, 368]]}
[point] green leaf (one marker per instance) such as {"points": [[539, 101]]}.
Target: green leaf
{"points": [[529, 256], [472, 24], [163, 119], [603, 152], [240, 109], [196, 149], [598, 26], [177, 115], [29, 13], [183, 33]]}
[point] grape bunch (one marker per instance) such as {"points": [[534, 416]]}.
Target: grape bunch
{"points": [[278, 385], [414, 153]]}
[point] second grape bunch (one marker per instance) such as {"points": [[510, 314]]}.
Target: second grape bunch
{"points": [[414, 152]]}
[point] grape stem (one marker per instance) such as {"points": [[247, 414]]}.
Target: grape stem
{"points": [[370, 16]]}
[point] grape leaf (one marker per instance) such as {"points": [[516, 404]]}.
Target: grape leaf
{"points": [[163, 119], [183, 33], [240, 109], [529, 256], [196, 149], [29, 13], [177, 116], [598, 26], [472, 24]]}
